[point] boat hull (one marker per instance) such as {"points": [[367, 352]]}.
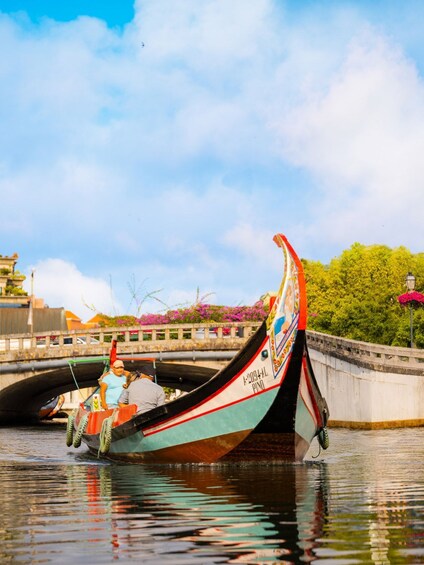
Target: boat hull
{"points": [[273, 425]]}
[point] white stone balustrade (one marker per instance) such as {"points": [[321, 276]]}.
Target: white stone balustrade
{"points": [[137, 339], [373, 356]]}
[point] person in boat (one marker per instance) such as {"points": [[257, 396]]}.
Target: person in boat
{"points": [[142, 391], [112, 384]]}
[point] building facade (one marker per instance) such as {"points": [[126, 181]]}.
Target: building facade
{"points": [[11, 292]]}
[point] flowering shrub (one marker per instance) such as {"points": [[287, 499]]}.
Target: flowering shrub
{"points": [[195, 314]]}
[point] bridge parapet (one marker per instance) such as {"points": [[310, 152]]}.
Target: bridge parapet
{"points": [[377, 357], [146, 339]]}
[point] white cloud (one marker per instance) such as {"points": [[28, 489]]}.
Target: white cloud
{"points": [[61, 284], [256, 245], [178, 161], [209, 31], [362, 141]]}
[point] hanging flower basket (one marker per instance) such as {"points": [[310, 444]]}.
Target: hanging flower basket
{"points": [[413, 296]]}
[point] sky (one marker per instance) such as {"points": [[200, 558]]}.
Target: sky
{"points": [[151, 150]]}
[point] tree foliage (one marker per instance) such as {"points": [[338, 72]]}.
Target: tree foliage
{"points": [[355, 296]]}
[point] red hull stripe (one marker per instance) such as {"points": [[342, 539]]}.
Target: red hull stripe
{"points": [[313, 416], [318, 416], [219, 390], [171, 425], [211, 411], [146, 431]]}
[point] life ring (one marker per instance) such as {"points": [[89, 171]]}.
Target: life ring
{"points": [[80, 430], [70, 428], [106, 435], [323, 438]]}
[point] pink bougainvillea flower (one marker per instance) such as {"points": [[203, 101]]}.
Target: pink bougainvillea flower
{"points": [[411, 297]]}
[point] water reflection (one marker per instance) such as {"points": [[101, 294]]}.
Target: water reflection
{"points": [[239, 515], [363, 504]]}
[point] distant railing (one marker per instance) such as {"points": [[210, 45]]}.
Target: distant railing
{"points": [[139, 338], [378, 357]]}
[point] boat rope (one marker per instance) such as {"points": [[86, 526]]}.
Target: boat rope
{"points": [[105, 438], [88, 360], [319, 452], [70, 428], [80, 430], [75, 380]]}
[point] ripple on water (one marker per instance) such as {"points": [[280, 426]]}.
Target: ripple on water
{"points": [[362, 501]]}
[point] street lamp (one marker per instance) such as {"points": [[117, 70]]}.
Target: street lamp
{"points": [[410, 282], [410, 285]]}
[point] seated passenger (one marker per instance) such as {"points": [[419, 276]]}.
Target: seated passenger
{"points": [[111, 385], [142, 391]]}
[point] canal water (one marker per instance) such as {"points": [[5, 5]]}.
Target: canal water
{"points": [[362, 501]]}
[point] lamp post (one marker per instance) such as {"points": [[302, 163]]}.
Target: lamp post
{"points": [[31, 306], [410, 285]]}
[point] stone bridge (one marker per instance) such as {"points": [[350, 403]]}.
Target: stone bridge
{"points": [[34, 369], [366, 385]]}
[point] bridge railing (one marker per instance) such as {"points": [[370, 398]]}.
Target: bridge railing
{"points": [[138, 337], [226, 335], [379, 357]]}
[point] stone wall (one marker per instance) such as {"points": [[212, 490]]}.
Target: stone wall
{"points": [[367, 385]]}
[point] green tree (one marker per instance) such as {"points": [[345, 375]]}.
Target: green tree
{"points": [[355, 296]]}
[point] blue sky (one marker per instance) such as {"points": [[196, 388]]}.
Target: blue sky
{"points": [[159, 145]]}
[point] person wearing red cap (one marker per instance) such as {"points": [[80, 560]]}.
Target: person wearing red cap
{"points": [[111, 385]]}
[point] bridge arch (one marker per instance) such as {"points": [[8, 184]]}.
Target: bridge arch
{"points": [[33, 386], [36, 368]]}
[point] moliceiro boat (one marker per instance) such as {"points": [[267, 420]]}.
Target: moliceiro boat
{"points": [[264, 406], [51, 408]]}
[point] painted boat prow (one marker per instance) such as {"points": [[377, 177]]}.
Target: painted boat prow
{"points": [[265, 405]]}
